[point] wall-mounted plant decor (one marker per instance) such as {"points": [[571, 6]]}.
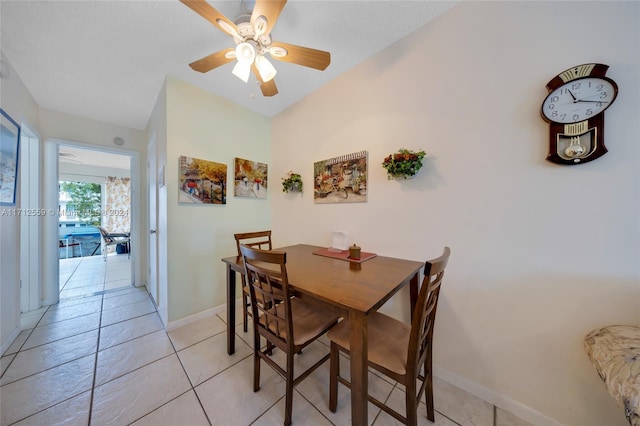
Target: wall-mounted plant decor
{"points": [[251, 179], [403, 164], [341, 179], [202, 181], [292, 183]]}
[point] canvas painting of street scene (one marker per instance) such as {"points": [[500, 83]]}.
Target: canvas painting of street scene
{"points": [[202, 181], [251, 179], [341, 179]]}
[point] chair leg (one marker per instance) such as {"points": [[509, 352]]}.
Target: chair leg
{"points": [[256, 362], [428, 392], [245, 314], [245, 304], [411, 402], [334, 372], [289, 392]]}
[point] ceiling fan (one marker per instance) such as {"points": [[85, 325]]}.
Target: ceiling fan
{"points": [[252, 36]]}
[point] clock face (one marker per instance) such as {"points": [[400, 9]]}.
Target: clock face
{"points": [[579, 100]]}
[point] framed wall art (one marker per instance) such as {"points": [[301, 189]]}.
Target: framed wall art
{"points": [[202, 181], [9, 149], [341, 179], [251, 179]]}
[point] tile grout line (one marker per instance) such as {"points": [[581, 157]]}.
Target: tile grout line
{"points": [[22, 345], [95, 364], [70, 275], [184, 370], [37, 324], [20, 350]]}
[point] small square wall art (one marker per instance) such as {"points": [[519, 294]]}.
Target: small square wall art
{"points": [[251, 179], [341, 179]]}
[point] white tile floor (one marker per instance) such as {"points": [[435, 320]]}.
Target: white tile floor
{"points": [[104, 358]]}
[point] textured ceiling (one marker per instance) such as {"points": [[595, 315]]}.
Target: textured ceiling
{"points": [[107, 60]]}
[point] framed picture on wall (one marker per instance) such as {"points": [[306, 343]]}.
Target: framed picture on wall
{"points": [[202, 181], [251, 179], [9, 147], [341, 179]]}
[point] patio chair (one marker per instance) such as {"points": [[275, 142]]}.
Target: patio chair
{"points": [[66, 243], [113, 239]]}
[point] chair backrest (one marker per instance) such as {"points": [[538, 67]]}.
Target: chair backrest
{"points": [[424, 314], [105, 235], [266, 276], [259, 239]]}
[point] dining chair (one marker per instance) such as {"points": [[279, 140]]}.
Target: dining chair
{"points": [[396, 349], [260, 240], [113, 239], [286, 322]]}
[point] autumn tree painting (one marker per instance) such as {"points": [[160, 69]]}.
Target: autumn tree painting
{"points": [[202, 181]]}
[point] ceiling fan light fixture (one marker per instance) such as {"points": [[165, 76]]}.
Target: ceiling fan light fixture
{"points": [[265, 69], [245, 53], [242, 70]]}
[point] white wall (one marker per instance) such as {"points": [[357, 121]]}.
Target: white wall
{"points": [[16, 101], [541, 253], [205, 126]]}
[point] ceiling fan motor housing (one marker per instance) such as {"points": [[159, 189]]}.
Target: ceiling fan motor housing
{"points": [[247, 32]]}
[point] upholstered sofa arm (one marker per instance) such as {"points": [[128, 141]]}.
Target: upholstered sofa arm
{"points": [[615, 353]]}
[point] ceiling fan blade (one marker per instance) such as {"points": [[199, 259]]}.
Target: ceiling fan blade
{"points": [[304, 56], [270, 9], [268, 88], [208, 12], [212, 61]]}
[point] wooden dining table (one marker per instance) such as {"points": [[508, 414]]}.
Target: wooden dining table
{"points": [[353, 289]]}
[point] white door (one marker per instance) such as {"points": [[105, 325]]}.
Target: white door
{"points": [[153, 178]]}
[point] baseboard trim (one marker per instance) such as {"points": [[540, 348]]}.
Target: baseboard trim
{"points": [[9, 340], [172, 325], [499, 400]]}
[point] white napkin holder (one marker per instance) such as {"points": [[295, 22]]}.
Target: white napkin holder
{"points": [[339, 242]]}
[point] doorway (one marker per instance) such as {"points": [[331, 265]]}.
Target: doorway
{"points": [[95, 192]]}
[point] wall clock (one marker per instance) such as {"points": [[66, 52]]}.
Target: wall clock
{"points": [[575, 109]]}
